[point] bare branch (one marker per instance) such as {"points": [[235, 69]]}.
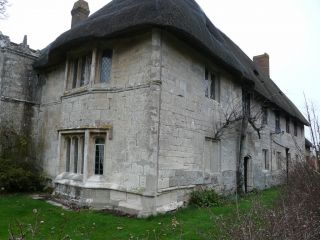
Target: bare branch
{"points": [[3, 9]]}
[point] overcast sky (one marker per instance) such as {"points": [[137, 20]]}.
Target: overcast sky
{"points": [[288, 30]]}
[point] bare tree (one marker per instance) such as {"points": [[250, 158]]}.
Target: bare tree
{"points": [[314, 128], [240, 115], [3, 9]]}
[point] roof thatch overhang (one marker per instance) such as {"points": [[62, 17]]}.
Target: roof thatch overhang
{"points": [[182, 18]]}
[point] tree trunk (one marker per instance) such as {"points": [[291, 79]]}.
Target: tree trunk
{"points": [[243, 141]]}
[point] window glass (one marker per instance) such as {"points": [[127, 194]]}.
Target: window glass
{"points": [[211, 85], [75, 74], [247, 106], [279, 160], [99, 156], [295, 125], [206, 83], [264, 115], [82, 155], [75, 155], [266, 159], [287, 124], [68, 154], [105, 66], [85, 69], [277, 121]]}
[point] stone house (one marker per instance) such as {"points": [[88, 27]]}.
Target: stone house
{"points": [[142, 101]]}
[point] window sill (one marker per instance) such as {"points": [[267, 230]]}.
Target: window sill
{"points": [[70, 176]]}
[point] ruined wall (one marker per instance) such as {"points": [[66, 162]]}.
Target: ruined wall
{"points": [[19, 90]]}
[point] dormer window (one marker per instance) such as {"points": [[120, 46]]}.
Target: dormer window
{"points": [[81, 68], [105, 66]]}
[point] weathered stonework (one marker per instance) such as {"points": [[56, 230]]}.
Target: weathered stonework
{"points": [[157, 126], [19, 88]]}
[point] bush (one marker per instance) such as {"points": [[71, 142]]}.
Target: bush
{"points": [[18, 171], [204, 197], [294, 215]]}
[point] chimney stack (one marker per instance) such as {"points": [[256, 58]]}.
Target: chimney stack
{"points": [[80, 11], [263, 63]]}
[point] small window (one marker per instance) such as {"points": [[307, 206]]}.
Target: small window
{"points": [[277, 121], [264, 115], [279, 160], [266, 159], [105, 66], [211, 85], [246, 102], [81, 70], [287, 124], [82, 154], [68, 151], [75, 155], [295, 128], [99, 156]]}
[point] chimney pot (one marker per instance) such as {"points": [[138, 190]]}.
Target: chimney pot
{"points": [[262, 62], [79, 12]]}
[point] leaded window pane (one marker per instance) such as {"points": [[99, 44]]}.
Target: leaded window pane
{"points": [[105, 66], [75, 73], [206, 83], [99, 156], [213, 87], [82, 156], [68, 155], [83, 70], [277, 121], [76, 155]]}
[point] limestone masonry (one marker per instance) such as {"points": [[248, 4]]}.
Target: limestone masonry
{"points": [[136, 119]]}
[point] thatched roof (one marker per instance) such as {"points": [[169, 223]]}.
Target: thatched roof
{"points": [[182, 18]]}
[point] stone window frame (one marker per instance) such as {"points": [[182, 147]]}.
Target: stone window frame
{"points": [[287, 124], [266, 159], [73, 163], [264, 110], [278, 160], [209, 84], [86, 74], [86, 153], [295, 128], [277, 118]]}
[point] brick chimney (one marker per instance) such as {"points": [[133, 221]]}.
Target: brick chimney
{"points": [[80, 11], [263, 62]]}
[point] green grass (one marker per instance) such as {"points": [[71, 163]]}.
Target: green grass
{"points": [[107, 226]]}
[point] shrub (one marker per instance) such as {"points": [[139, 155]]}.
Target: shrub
{"points": [[204, 197], [294, 215], [18, 171]]}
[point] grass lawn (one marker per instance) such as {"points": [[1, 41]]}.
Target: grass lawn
{"points": [[106, 225]]}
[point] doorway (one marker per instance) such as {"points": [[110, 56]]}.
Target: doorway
{"points": [[247, 174]]}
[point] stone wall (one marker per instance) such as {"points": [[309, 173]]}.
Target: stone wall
{"points": [[159, 127], [188, 118], [128, 104], [19, 84]]}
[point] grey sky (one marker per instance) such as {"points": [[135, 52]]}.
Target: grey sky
{"points": [[288, 30]]}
